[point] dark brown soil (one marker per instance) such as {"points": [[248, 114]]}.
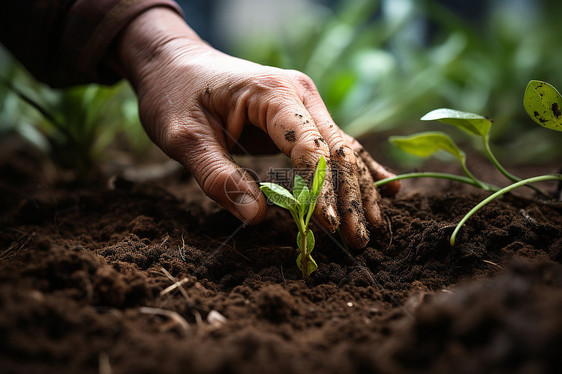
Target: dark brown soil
{"points": [[79, 268]]}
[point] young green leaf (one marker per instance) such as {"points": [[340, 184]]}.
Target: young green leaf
{"points": [[543, 104], [311, 265], [469, 122], [278, 195], [309, 241], [425, 144], [319, 176], [298, 185]]}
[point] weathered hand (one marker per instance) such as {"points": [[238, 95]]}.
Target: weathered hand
{"points": [[195, 102]]}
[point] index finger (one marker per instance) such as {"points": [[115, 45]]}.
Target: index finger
{"points": [[293, 130]]}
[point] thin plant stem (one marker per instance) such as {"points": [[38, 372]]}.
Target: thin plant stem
{"points": [[499, 193], [502, 170], [304, 255], [453, 177], [496, 163], [471, 176]]}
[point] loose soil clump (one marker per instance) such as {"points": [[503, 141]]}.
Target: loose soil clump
{"points": [[79, 268]]}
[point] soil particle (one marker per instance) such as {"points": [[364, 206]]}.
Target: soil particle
{"points": [[340, 151], [275, 304], [75, 269], [290, 135], [357, 207], [317, 141]]}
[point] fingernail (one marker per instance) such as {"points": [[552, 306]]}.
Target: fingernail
{"points": [[246, 206], [332, 215]]}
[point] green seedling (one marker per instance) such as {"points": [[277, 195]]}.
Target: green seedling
{"points": [[543, 104], [300, 204]]}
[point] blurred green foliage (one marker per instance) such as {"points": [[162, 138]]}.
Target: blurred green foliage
{"points": [[74, 126], [381, 64]]}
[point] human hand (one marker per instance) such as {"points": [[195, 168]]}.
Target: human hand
{"points": [[197, 103]]}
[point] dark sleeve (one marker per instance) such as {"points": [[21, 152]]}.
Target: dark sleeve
{"points": [[64, 42]]}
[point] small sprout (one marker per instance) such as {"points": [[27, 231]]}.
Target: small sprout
{"points": [[300, 204], [543, 104]]}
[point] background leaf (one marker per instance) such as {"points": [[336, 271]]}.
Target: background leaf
{"points": [[543, 104], [427, 143], [469, 122], [278, 195]]}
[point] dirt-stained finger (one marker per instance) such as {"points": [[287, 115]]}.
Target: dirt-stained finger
{"points": [[377, 171], [343, 164], [350, 204], [293, 130], [369, 194]]}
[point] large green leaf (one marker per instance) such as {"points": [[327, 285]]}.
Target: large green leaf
{"points": [[543, 104], [425, 144], [469, 122], [278, 195], [319, 176]]}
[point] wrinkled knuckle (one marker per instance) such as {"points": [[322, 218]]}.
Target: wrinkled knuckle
{"points": [[304, 81], [178, 139], [310, 142], [272, 84]]}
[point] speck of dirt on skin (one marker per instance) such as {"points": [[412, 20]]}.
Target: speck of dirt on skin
{"points": [[340, 151], [556, 110], [356, 206], [290, 136], [363, 170], [318, 140], [208, 91]]}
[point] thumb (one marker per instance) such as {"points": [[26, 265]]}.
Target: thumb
{"points": [[197, 147]]}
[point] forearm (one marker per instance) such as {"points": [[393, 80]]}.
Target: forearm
{"points": [[67, 42]]}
